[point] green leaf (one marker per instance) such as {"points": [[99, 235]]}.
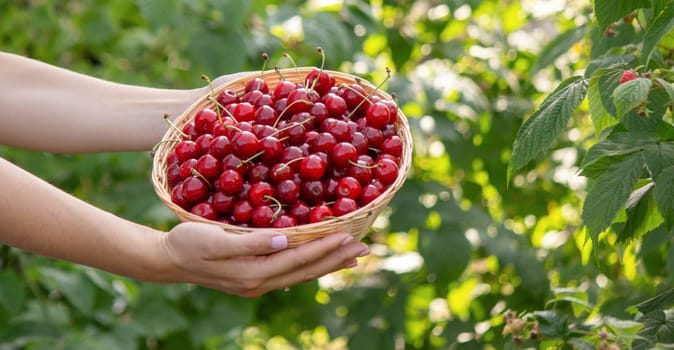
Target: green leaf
{"points": [[658, 156], [219, 52], [158, 12], [620, 143], [601, 117], [658, 327], [557, 47], [544, 126], [12, 292], [212, 323], [656, 30], [664, 195], [608, 11], [159, 318], [446, 252], [552, 324], [642, 214], [75, 287], [668, 88], [609, 194], [661, 301], [326, 30], [630, 94]]}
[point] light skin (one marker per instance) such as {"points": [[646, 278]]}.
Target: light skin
{"points": [[47, 108]]}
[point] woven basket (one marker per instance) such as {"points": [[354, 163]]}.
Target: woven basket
{"points": [[356, 223]]}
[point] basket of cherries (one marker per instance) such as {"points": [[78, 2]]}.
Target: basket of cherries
{"points": [[304, 151]]}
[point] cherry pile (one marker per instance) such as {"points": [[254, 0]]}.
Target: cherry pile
{"points": [[285, 155]]}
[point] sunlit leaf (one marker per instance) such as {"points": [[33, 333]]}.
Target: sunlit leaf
{"points": [[664, 194], [631, 94], [642, 214], [656, 30], [610, 192], [544, 126], [620, 143]]}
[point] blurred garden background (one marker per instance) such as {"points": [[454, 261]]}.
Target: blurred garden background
{"points": [[489, 245]]}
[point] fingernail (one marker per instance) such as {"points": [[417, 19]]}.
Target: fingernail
{"points": [[347, 240], [351, 264], [279, 242], [366, 251]]}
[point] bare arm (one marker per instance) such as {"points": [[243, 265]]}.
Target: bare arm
{"points": [[47, 108], [38, 217]]}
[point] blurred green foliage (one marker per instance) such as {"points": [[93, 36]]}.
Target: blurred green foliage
{"points": [[468, 249]]}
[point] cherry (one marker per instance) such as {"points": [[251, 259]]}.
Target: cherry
{"points": [[222, 203], [256, 84], [195, 189], [283, 89], [227, 97], [260, 193], [320, 213], [262, 216], [205, 210], [377, 115], [230, 182], [208, 166], [245, 144], [220, 146], [265, 115], [288, 192], [284, 221], [348, 187], [312, 192], [300, 211], [185, 169], [281, 171], [312, 167], [323, 142], [190, 131], [359, 141], [343, 153], [204, 119], [242, 211], [319, 81], [178, 198], [259, 172], [173, 174], [187, 149], [392, 145], [270, 147], [335, 104], [343, 206], [385, 171], [368, 193]]}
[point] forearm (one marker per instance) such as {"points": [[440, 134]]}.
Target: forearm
{"points": [[43, 107], [38, 217]]}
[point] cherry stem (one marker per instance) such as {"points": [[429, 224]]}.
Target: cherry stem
{"points": [[277, 202], [211, 96], [195, 172], [287, 55], [287, 164], [294, 124], [362, 165], [265, 57], [250, 159], [175, 128], [376, 88], [287, 107], [313, 83], [154, 148], [221, 107], [278, 70]]}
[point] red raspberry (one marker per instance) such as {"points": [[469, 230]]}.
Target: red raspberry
{"points": [[627, 76]]}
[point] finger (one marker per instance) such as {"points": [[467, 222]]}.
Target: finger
{"points": [[216, 244], [300, 265], [334, 262]]}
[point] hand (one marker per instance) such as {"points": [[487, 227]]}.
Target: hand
{"points": [[253, 264]]}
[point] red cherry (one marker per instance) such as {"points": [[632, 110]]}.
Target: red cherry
{"points": [[343, 206], [244, 112], [392, 145], [262, 216], [227, 97], [260, 193], [259, 172], [359, 141], [283, 89], [369, 193], [191, 131], [186, 167], [385, 171], [178, 198], [312, 167], [284, 221], [377, 115], [256, 84], [204, 142], [270, 147], [245, 144], [220, 146], [195, 189], [335, 104], [288, 192], [265, 115], [230, 182], [348, 187], [313, 192], [319, 80], [208, 166], [281, 171], [374, 136], [242, 211], [173, 174], [320, 213], [300, 211], [323, 142], [222, 203], [343, 153], [187, 149], [204, 119], [204, 210]]}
